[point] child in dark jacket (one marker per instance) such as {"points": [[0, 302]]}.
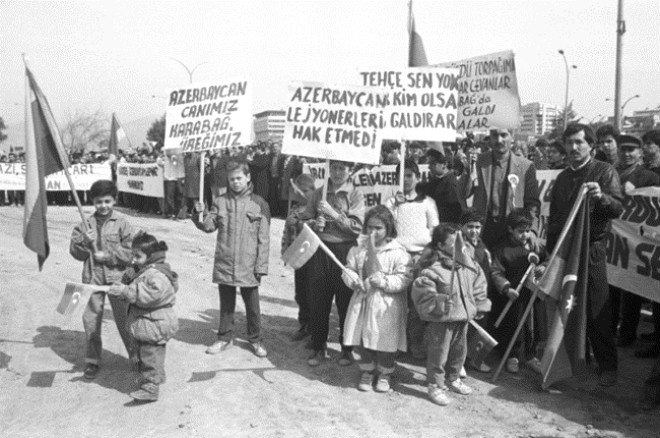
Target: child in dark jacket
{"points": [[150, 288], [293, 227], [510, 261], [449, 293]]}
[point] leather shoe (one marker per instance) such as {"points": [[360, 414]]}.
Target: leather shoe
{"points": [[219, 346]]}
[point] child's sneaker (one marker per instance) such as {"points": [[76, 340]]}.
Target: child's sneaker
{"points": [[512, 365], [366, 381], [438, 395], [535, 365], [459, 387], [462, 374], [258, 349], [317, 357], [147, 392], [383, 383], [219, 346]]}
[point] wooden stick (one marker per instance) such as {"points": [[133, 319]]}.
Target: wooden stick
{"points": [[324, 192], [201, 184], [528, 309], [402, 161], [530, 268]]}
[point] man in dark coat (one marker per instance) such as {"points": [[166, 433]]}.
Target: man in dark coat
{"points": [[633, 175], [605, 204]]}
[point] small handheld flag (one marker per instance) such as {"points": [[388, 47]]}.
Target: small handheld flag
{"points": [[76, 296], [302, 249]]}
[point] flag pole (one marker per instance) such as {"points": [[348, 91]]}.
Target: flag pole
{"points": [[66, 165], [402, 161], [528, 309], [201, 183]]}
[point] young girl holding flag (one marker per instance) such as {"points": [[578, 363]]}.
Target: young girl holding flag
{"points": [[376, 317]]}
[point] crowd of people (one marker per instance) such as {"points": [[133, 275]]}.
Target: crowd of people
{"points": [[393, 270]]}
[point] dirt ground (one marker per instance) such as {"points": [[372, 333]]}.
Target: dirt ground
{"points": [[235, 394]]}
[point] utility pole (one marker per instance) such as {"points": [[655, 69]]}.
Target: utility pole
{"points": [[620, 30]]}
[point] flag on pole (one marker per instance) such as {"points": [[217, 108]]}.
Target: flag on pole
{"points": [[461, 254], [117, 134], [44, 155], [564, 354], [302, 248], [416, 52]]}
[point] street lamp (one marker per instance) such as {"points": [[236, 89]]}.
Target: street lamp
{"points": [[568, 77], [623, 106], [190, 72], [624, 103], [596, 117]]}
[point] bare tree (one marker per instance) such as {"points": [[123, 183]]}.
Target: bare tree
{"points": [[85, 131]]}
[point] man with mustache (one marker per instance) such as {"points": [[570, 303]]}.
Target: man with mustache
{"points": [[605, 203], [504, 181]]}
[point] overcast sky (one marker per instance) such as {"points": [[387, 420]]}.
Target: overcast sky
{"points": [[116, 55]]}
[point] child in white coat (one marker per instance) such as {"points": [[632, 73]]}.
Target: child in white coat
{"points": [[379, 272]]}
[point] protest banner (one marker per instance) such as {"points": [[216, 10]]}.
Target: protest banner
{"points": [[487, 92], [422, 102], [12, 176], [633, 243], [141, 179], [377, 184], [209, 116], [334, 122]]}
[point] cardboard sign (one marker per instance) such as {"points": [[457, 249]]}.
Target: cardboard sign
{"points": [[423, 102], [141, 179], [210, 116], [335, 122], [487, 92]]}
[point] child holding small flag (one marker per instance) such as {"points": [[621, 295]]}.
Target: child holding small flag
{"points": [[449, 293], [150, 288], [338, 221], [510, 262], [376, 317], [105, 250], [292, 227]]}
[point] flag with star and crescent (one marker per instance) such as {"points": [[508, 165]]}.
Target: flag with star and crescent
{"points": [[564, 354]]}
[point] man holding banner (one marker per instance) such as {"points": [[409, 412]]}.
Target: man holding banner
{"points": [[604, 191]]}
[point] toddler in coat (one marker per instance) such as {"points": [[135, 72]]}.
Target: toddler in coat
{"points": [[449, 293], [150, 288]]}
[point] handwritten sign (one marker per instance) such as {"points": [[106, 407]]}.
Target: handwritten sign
{"points": [[336, 122], [12, 176], [141, 179], [487, 92], [208, 117], [423, 102]]}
